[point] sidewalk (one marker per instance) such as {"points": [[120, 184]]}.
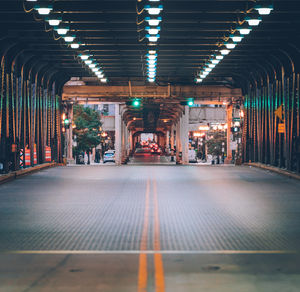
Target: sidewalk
{"points": [[15, 174]]}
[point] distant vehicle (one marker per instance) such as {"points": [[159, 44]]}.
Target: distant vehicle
{"points": [[109, 156], [142, 151], [156, 150], [192, 156]]}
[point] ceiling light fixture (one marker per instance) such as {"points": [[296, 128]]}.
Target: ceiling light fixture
{"points": [[230, 44], [253, 19], [244, 29], [54, 21], [237, 37], [62, 30], [152, 38], [153, 21], [84, 56], [69, 38], [75, 45], [225, 52], [153, 30], [154, 10], [264, 9], [43, 9]]}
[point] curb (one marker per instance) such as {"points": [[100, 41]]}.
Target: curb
{"points": [[14, 175], [274, 169]]}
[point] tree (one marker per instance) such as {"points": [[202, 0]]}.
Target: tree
{"points": [[215, 145], [88, 128]]}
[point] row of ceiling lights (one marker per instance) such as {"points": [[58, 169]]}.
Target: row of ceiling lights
{"points": [[153, 19], [252, 19], [63, 30]]}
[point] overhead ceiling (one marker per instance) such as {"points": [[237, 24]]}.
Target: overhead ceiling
{"points": [[190, 33]]}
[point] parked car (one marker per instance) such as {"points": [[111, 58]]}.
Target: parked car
{"points": [[109, 156]]}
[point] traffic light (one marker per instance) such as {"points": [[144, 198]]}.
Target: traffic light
{"points": [[134, 102], [65, 121], [188, 101]]}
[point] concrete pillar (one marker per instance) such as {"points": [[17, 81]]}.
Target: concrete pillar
{"points": [[184, 132], [229, 109], [118, 135], [69, 135], [178, 146], [172, 138], [130, 141], [168, 141]]}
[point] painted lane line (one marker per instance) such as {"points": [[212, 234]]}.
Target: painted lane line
{"points": [[158, 262], [143, 273], [171, 252]]}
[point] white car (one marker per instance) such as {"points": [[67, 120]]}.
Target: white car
{"points": [[109, 156]]}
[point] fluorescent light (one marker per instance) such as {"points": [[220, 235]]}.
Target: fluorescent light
{"points": [[215, 61], [43, 10], [154, 10], [152, 38], [54, 22], [151, 79], [95, 69], [152, 57], [219, 57], [253, 20], [264, 9], [153, 21], [230, 45], [62, 30], [244, 29], [152, 52], [103, 80], [151, 62], [88, 62], [199, 80], [69, 38], [224, 52], [204, 73], [92, 65], [212, 65], [84, 56], [153, 30], [207, 69], [236, 38], [75, 46]]}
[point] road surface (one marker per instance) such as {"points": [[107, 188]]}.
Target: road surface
{"points": [[150, 228]]}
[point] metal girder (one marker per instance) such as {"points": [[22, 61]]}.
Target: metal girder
{"points": [[170, 93]]}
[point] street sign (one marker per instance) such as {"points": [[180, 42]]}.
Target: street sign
{"points": [[279, 112], [281, 128]]}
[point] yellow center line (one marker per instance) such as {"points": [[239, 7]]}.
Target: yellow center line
{"points": [[158, 262], [143, 275]]}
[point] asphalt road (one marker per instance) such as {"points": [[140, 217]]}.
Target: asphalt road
{"points": [[150, 228]]}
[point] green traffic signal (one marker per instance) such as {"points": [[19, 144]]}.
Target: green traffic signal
{"points": [[188, 102], [136, 103], [191, 102], [67, 122]]}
